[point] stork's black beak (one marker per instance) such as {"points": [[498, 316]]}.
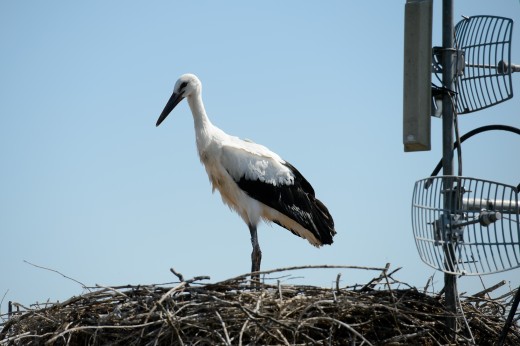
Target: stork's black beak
{"points": [[172, 102]]}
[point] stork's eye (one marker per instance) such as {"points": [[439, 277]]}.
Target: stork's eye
{"points": [[183, 85]]}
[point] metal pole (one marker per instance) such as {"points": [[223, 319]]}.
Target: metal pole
{"points": [[448, 74], [509, 320]]}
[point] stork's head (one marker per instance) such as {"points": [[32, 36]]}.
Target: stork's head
{"points": [[187, 85]]}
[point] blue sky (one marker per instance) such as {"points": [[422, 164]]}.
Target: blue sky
{"points": [[91, 188]]}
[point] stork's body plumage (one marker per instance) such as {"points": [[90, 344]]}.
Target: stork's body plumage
{"points": [[252, 180]]}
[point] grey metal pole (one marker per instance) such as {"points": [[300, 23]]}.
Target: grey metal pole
{"points": [[448, 76]]}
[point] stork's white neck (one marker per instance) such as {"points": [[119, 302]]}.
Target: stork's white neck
{"points": [[203, 125]]}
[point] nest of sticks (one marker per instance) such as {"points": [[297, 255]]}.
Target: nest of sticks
{"points": [[238, 312]]}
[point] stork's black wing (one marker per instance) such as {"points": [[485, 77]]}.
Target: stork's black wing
{"points": [[296, 201]]}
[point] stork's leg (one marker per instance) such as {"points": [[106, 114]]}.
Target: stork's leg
{"points": [[256, 255]]}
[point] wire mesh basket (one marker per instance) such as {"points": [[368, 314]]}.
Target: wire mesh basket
{"points": [[486, 45], [465, 225]]}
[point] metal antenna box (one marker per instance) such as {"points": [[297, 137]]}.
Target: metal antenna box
{"points": [[417, 75]]}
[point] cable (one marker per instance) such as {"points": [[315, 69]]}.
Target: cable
{"points": [[471, 134], [457, 137], [454, 106], [459, 304]]}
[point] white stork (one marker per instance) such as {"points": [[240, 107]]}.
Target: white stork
{"points": [[252, 180]]}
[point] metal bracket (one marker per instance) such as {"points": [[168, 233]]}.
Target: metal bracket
{"points": [[449, 228], [437, 61]]}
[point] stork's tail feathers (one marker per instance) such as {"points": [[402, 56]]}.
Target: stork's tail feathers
{"points": [[324, 222], [319, 223]]}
